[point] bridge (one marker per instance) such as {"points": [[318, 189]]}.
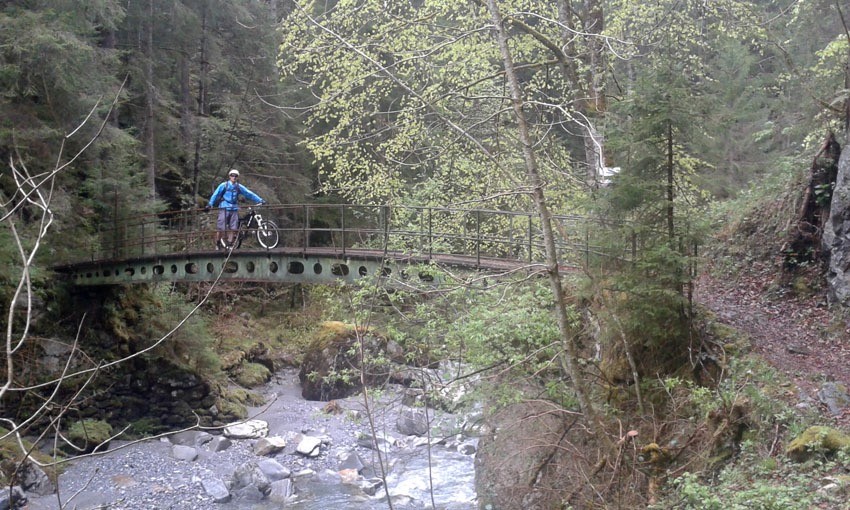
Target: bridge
{"points": [[321, 243]]}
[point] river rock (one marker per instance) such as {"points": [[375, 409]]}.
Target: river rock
{"points": [[281, 490], [216, 489], [269, 445], [380, 442], [250, 476], [348, 476], [273, 469], [191, 438], [251, 429], [34, 479], [219, 444], [412, 422], [12, 497], [182, 452], [309, 446], [371, 485], [348, 459]]}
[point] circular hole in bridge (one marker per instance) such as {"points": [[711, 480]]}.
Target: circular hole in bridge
{"points": [[144, 270], [386, 271], [339, 269], [88, 275], [404, 275], [210, 267], [117, 272], [158, 269], [273, 267], [129, 271], [249, 266], [295, 268], [362, 271], [173, 268], [317, 268], [425, 277], [191, 268], [231, 267]]}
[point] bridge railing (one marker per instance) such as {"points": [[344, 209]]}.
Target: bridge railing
{"points": [[426, 231]]}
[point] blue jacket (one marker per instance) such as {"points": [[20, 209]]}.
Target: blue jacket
{"points": [[226, 196]]}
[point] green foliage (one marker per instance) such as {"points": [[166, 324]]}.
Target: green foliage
{"points": [[515, 328], [408, 105], [141, 316]]}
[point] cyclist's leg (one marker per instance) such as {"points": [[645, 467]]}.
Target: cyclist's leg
{"points": [[232, 226], [220, 228]]}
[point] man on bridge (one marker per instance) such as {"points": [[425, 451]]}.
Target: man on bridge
{"points": [[226, 198]]}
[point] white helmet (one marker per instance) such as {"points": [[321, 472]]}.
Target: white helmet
{"points": [[233, 171]]}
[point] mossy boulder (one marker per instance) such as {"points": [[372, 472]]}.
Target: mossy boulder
{"points": [[339, 359], [251, 375], [817, 439], [90, 435]]}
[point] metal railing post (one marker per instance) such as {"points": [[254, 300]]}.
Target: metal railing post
{"points": [[342, 220], [385, 211], [430, 233], [306, 227], [478, 237]]}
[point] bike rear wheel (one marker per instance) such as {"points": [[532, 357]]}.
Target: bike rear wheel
{"points": [[267, 234]]}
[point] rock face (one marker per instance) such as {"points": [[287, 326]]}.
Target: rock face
{"points": [[836, 236]]}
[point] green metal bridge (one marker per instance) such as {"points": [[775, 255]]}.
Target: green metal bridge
{"points": [[322, 243]]}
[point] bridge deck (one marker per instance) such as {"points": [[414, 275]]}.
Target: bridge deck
{"points": [[290, 265]]}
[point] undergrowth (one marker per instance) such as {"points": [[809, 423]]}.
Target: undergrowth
{"points": [[754, 472]]}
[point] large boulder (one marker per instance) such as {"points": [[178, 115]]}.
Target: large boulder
{"points": [[332, 367]]}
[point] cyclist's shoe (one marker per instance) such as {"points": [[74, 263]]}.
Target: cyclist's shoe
{"points": [[222, 245]]}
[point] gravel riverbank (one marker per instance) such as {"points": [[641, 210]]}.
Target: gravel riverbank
{"points": [[148, 475]]}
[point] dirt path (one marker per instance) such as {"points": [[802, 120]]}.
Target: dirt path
{"points": [[795, 335]]}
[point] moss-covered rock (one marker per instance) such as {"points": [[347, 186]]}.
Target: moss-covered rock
{"points": [[90, 435], [251, 375], [229, 411], [339, 359], [817, 439]]}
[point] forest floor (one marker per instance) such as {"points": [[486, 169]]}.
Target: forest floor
{"points": [[797, 335]]}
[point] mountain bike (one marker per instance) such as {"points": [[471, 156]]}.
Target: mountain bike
{"points": [[265, 230]]}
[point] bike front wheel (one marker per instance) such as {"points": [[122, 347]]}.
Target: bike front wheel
{"points": [[267, 234]]}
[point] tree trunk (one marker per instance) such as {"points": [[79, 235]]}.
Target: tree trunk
{"points": [[570, 353], [596, 103], [670, 184], [150, 152], [202, 104]]}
